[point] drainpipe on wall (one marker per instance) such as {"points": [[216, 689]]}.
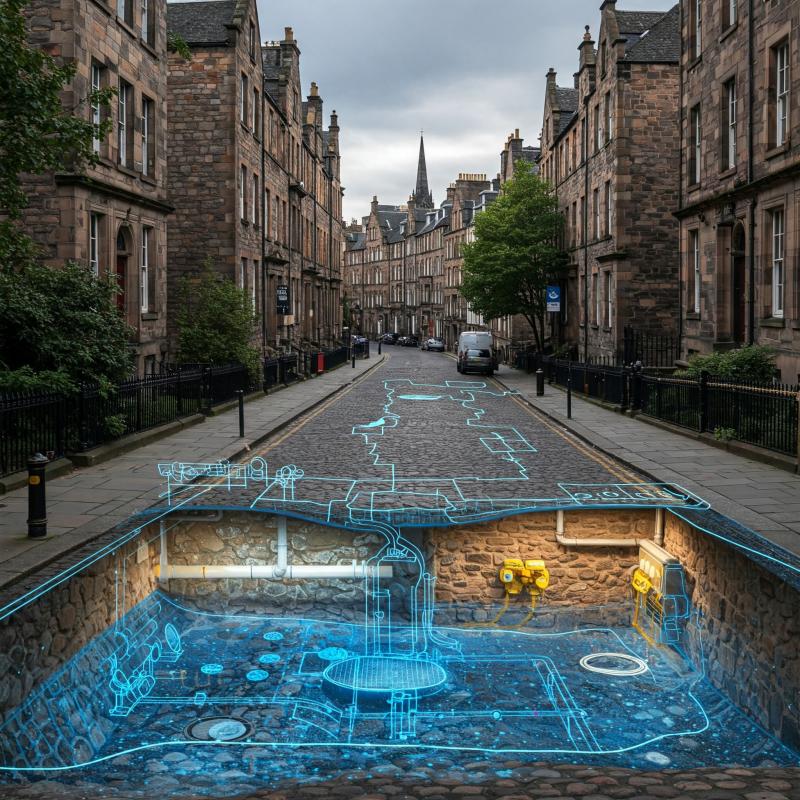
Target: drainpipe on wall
{"points": [[585, 226], [752, 221], [264, 271], [680, 186]]}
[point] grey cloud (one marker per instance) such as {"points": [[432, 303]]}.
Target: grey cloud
{"points": [[468, 72]]}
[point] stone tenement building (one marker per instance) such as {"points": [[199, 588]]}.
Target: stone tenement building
{"points": [[404, 264], [610, 145], [113, 215], [254, 177], [739, 205]]}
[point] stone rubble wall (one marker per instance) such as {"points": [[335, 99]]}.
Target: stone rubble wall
{"points": [[38, 640], [752, 623]]}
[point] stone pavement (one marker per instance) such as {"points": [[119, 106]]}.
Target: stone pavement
{"points": [[91, 500], [762, 497]]}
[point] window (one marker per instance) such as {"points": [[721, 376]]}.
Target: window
{"points": [[125, 11], [148, 22], [695, 278], [598, 135], [97, 115], [242, 273], [95, 223], [729, 13], [125, 123], [596, 296], [607, 115], [256, 114], [144, 270], [609, 299], [243, 193], [607, 208], [148, 137], [243, 99], [254, 202], [781, 86], [728, 126], [603, 57], [777, 262], [695, 144], [252, 40], [584, 138], [596, 203], [696, 27]]}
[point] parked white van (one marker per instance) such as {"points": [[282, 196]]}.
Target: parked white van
{"points": [[476, 352]]}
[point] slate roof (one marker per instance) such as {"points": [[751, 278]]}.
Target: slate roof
{"points": [[660, 43], [201, 22], [637, 21], [567, 99]]}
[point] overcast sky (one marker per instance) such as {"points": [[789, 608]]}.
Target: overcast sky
{"points": [[467, 72]]}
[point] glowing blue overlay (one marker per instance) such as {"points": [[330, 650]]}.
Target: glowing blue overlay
{"points": [[169, 674]]}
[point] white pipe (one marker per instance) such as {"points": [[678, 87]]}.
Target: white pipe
{"points": [[560, 521], [563, 540], [659, 537], [283, 549], [353, 571]]}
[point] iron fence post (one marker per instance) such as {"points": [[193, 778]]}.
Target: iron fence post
{"points": [[240, 397], [37, 502], [703, 421], [569, 397], [179, 393]]}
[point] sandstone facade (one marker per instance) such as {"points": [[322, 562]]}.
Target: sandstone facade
{"points": [[256, 180], [739, 205], [112, 215], [610, 147]]}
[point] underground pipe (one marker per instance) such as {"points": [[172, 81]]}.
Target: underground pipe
{"points": [[353, 571]]}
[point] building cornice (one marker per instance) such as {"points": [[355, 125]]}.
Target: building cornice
{"points": [[72, 179]]}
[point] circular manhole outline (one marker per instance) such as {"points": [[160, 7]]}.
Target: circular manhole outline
{"points": [[638, 665], [209, 723]]}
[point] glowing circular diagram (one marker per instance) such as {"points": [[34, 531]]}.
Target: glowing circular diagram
{"points": [[211, 669], [219, 729], [380, 677], [257, 675], [333, 654], [269, 658], [627, 665], [273, 636]]}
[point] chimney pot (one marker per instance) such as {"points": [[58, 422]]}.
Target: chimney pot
{"points": [[288, 34]]}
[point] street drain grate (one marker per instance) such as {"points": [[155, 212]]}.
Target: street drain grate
{"points": [[219, 729]]}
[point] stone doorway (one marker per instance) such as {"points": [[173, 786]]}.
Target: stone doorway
{"points": [[738, 283]]}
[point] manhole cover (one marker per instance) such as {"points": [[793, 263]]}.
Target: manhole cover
{"points": [[219, 729]]}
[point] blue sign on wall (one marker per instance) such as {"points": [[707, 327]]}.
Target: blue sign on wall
{"points": [[554, 298]]}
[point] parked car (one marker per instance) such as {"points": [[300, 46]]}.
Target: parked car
{"points": [[390, 338], [475, 352], [409, 341], [434, 344]]}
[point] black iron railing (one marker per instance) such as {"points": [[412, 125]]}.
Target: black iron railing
{"points": [[57, 424], [649, 349], [764, 415]]}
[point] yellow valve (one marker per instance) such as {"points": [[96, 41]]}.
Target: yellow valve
{"points": [[517, 575], [641, 582]]}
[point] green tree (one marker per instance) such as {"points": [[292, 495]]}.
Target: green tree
{"points": [[216, 322], [37, 133], [60, 328], [516, 252]]}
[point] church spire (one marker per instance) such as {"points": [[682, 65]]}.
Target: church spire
{"points": [[422, 194]]}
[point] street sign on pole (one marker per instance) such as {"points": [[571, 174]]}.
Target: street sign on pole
{"points": [[554, 298]]}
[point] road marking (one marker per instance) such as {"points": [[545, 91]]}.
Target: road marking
{"points": [[324, 407]]}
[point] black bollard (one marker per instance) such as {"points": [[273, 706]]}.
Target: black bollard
{"points": [[379, 346], [240, 395], [37, 503], [539, 382], [569, 398], [353, 352]]}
